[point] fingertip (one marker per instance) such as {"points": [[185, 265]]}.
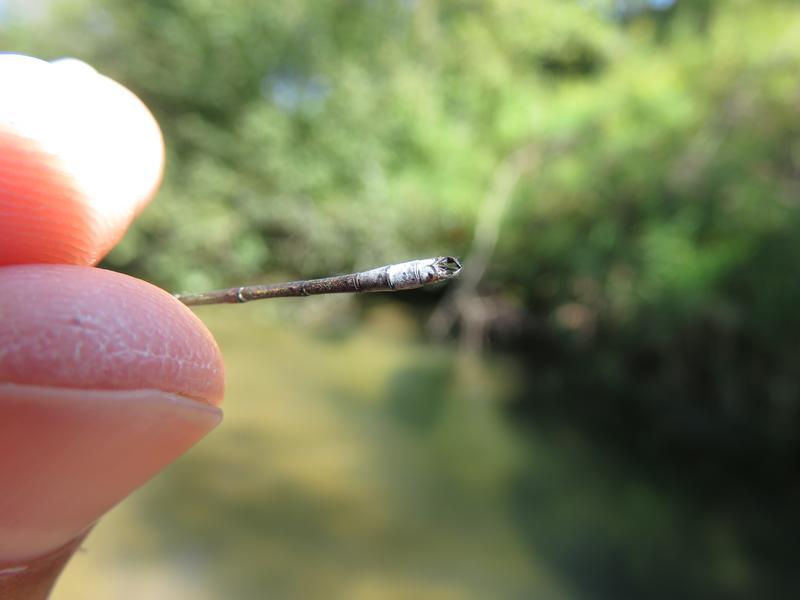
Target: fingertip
{"points": [[120, 162], [88, 328], [80, 155], [104, 380]]}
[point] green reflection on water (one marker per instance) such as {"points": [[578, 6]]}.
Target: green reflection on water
{"points": [[361, 466], [372, 465]]}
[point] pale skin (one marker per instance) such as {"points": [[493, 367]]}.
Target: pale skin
{"points": [[104, 379]]}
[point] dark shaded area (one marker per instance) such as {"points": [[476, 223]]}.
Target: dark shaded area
{"points": [[703, 418]]}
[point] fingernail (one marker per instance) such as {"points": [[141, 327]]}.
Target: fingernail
{"points": [[68, 455]]}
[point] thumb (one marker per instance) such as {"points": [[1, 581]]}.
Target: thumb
{"points": [[105, 380]]}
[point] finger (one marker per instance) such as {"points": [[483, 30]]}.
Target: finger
{"points": [[105, 380], [80, 155]]}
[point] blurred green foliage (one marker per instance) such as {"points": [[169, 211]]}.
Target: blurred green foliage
{"points": [[644, 159], [310, 137], [306, 138]]}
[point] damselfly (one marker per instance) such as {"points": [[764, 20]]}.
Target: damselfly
{"points": [[390, 278]]}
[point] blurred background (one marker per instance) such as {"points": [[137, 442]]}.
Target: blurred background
{"points": [[607, 403]]}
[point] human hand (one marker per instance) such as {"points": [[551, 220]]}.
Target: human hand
{"points": [[104, 379]]}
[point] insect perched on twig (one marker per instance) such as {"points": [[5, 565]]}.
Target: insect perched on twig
{"points": [[390, 278]]}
